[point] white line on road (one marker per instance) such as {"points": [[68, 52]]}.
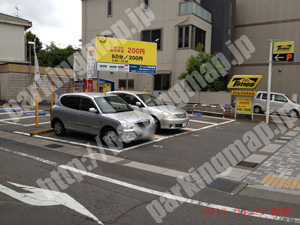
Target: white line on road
{"points": [[159, 193], [20, 118], [29, 156], [178, 198]]}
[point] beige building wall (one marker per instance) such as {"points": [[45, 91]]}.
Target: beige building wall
{"points": [[261, 20], [171, 60], [12, 43]]}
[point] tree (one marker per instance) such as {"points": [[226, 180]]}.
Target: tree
{"points": [[38, 44], [51, 55], [202, 64]]}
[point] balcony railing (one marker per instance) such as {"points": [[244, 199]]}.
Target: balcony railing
{"points": [[194, 8]]}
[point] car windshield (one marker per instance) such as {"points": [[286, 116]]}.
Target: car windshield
{"points": [[290, 98], [112, 104], [151, 100]]}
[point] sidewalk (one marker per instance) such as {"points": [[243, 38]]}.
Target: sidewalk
{"points": [[280, 172]]}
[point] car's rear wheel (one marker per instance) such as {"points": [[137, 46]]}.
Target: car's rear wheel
{"points": [[111, 138], [293, 114], [257, 109], [59, 128]]}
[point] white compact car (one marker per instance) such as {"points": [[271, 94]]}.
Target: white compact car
{"points": [[277, 101]]}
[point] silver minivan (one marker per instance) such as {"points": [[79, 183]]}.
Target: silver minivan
{"points": [[165, 116], [277, 101], [105, 115]]}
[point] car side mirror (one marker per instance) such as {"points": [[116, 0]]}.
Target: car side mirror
{"points": [[138, 104], [93, 110]]}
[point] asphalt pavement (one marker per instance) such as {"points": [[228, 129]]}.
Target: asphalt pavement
{"points": [[98, 185]]}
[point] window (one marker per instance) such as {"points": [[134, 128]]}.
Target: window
{"points": [[152, 36], [258, 96], [280, 98], [122, 83], [112, 104], [109, 7], [161, 81], [146, 4], [86, 104], [185, 37], [151, 100], [70, 102], [130, 99], [264, 96], [198, 37]]}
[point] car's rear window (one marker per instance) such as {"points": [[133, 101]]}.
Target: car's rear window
{"points": [[70, 101]]}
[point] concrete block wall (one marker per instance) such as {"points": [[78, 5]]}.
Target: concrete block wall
{"points": [[16, 86]]}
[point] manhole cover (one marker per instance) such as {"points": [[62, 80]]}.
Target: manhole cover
{"points": [[224, 185], [54, 146], [248, 164]]}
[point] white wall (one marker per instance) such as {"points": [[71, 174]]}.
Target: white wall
{"points": [[12, 46]]}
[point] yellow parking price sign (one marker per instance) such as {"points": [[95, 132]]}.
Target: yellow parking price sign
{"points": [[125, 55], [244, 105]]}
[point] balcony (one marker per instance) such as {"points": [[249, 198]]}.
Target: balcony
{"points": [[193, 8]]}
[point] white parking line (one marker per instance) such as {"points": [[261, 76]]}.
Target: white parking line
{"points": [[33, 124], [219, 118], [159, 193], [199, 121], [20, 118], [12, 123]]}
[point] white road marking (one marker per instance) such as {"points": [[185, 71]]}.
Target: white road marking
{"points": [[170, 196], [219, 118], [29, 156], [199, 121], [180, 199], [22, 133], [20, 118], [43, 197], [33, 124], [65, 141], [128, 148], [12, 123]]}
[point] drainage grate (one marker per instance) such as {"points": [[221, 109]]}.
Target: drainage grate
{"points": [[248, 164], [224, 185], [54, 146]]}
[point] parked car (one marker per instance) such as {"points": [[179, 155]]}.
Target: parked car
{"points": [[165, 116], [277, 101], [101, 114]]}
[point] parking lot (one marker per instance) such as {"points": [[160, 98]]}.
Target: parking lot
{"points": [[143, 166]]}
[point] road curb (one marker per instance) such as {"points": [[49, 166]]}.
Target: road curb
{"points": [[41, 132]]}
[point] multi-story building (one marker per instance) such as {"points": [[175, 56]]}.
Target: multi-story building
{"points": [[262, 21], [177, 26]]}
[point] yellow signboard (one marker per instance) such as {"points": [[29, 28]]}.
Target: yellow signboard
{"points": [[125, 55], [244, 93], [284, 51], [284, 47], [243, 105], [244, 81]]}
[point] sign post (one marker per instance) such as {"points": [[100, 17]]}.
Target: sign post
{"points": [[283, 51]]}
